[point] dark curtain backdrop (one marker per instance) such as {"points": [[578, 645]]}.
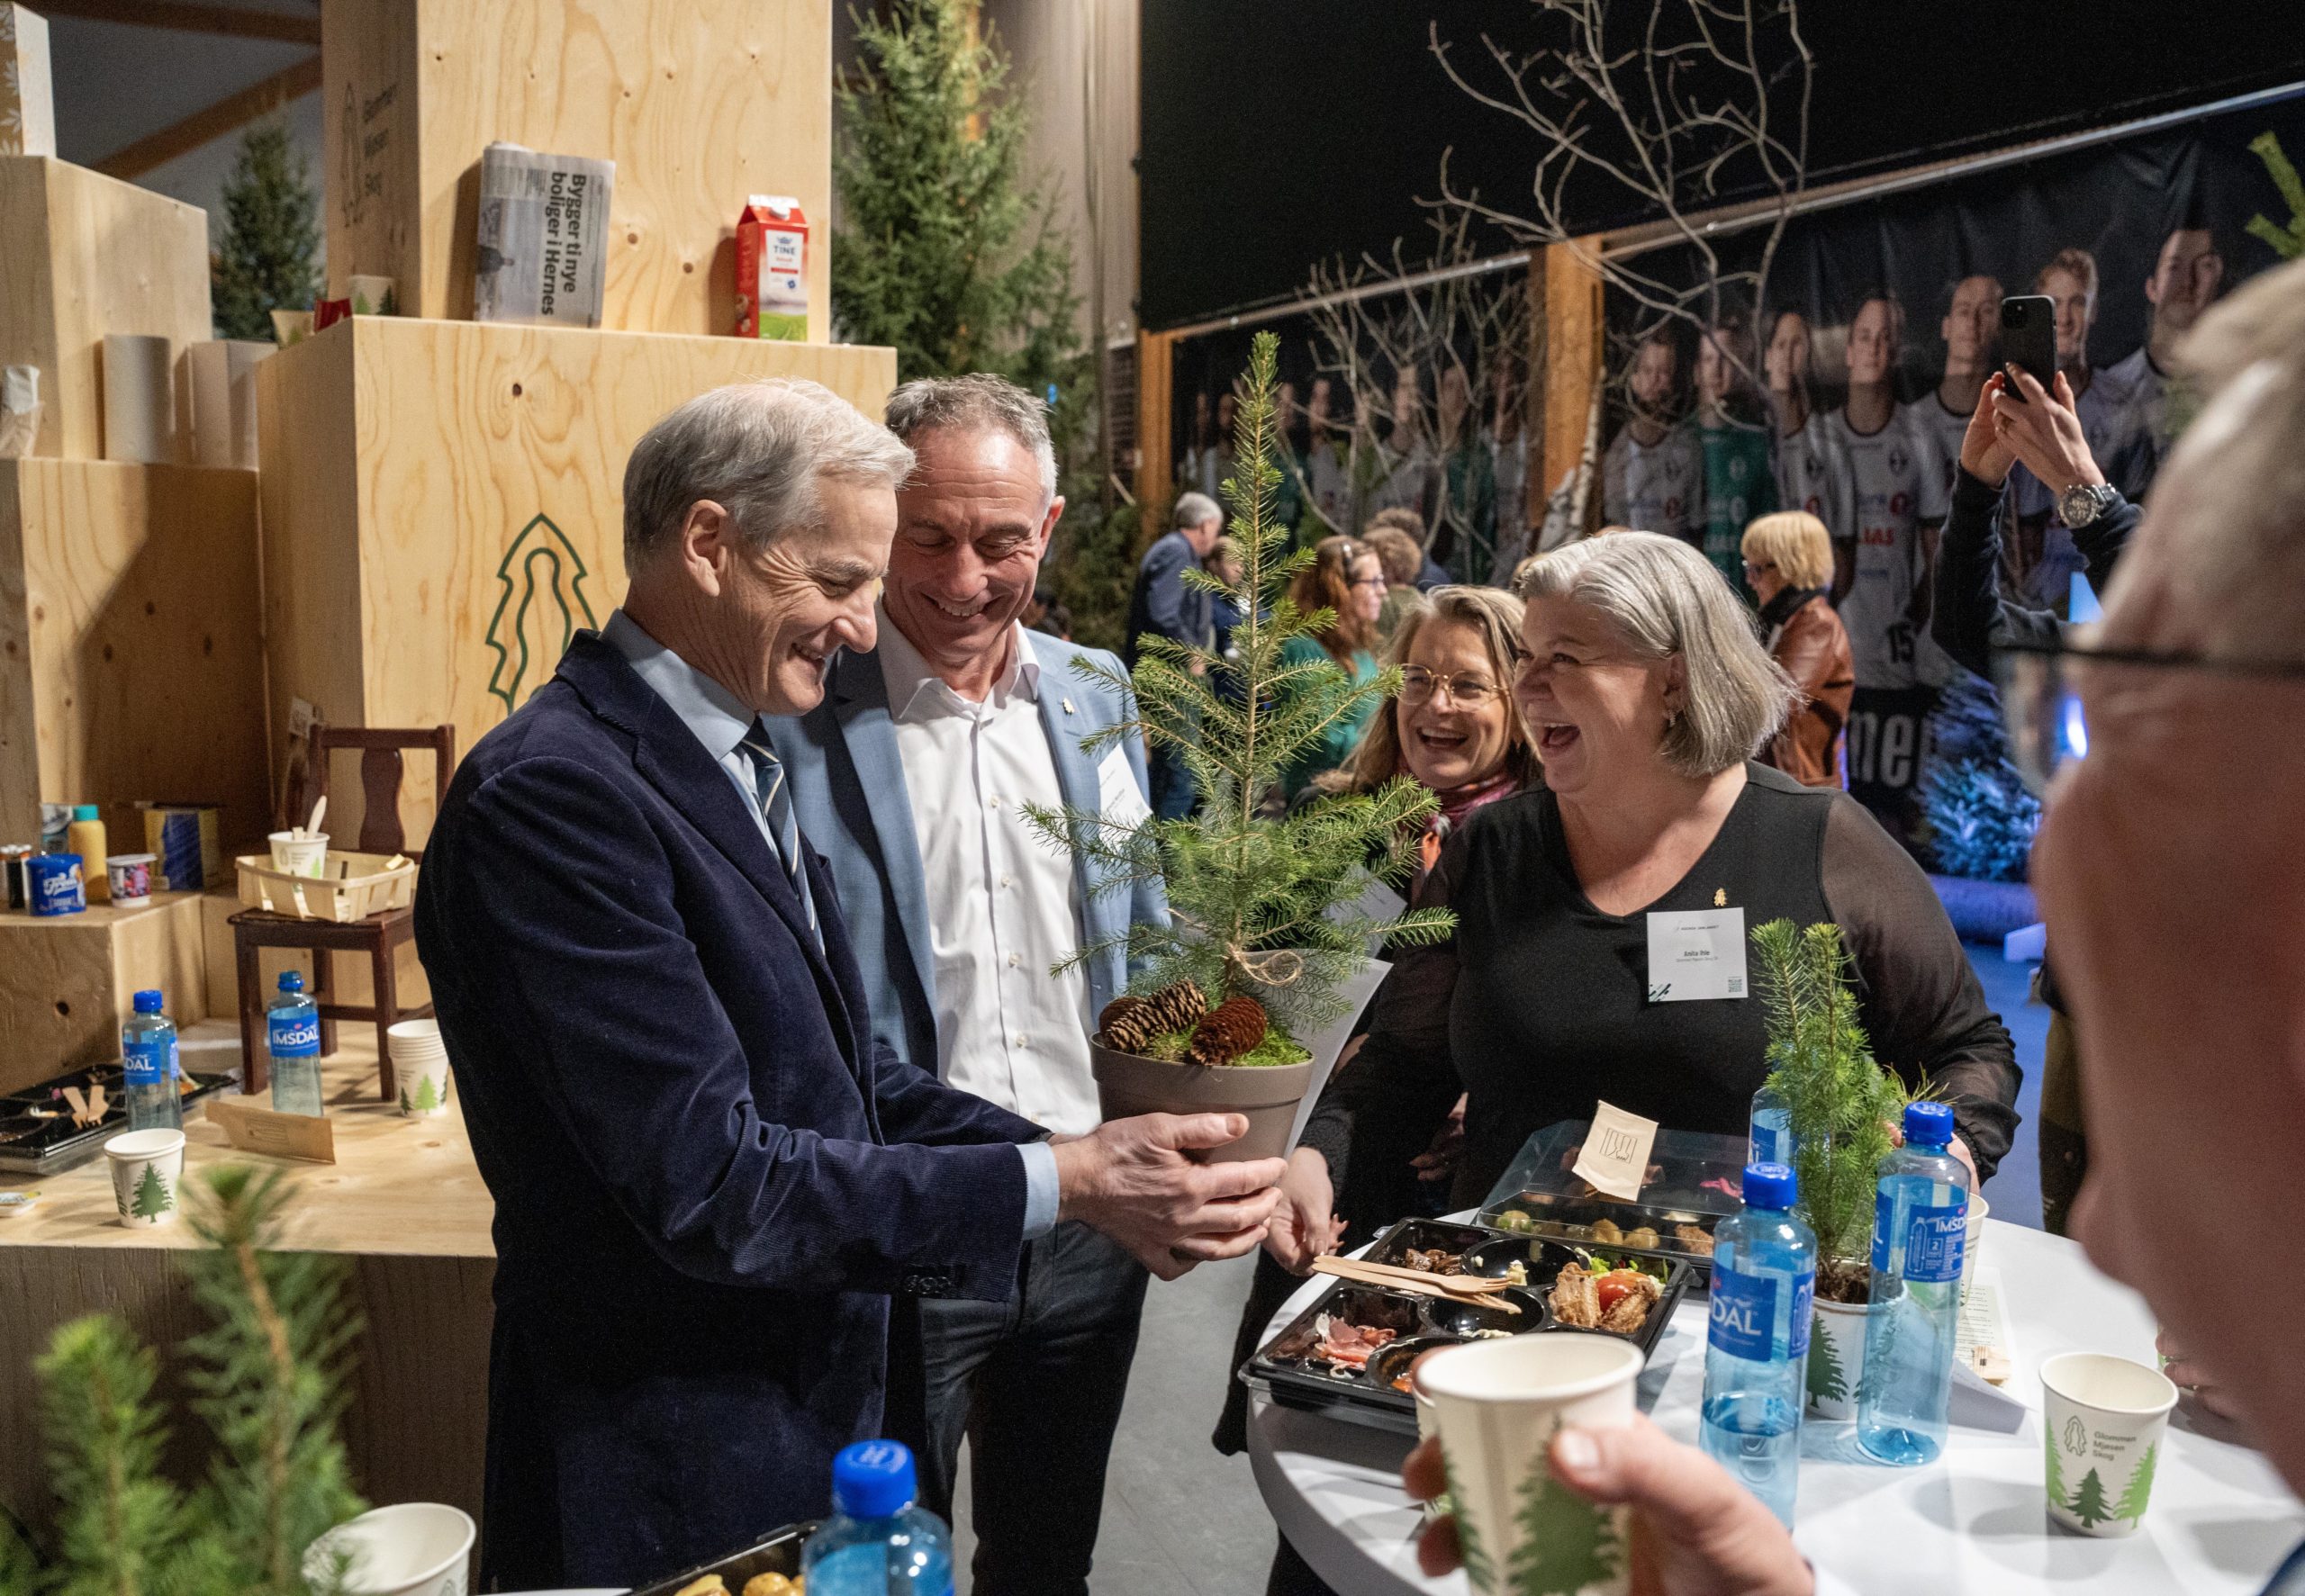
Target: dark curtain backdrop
{"points": [[1280, 132]]}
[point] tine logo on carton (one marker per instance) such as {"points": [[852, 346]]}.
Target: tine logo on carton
{"points": [[773, 269]]}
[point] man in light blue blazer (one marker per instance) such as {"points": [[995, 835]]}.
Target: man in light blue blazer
{"points": [[912, 778]]}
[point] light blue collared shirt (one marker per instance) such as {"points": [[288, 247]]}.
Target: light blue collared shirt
{"points": [[720, 722]]}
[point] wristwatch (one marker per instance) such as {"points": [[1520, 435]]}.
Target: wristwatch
{"points": [[2083, 503]]}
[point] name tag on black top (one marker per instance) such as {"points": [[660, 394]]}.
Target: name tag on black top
{"points": [[1696, 955]]}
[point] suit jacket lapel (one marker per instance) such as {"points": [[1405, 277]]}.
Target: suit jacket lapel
{"points": [[1077, 774], [861, 705]]}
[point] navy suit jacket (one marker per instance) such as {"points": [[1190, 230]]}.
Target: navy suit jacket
{"points": [[1161, 602], [849, 791], [708, 1177]]}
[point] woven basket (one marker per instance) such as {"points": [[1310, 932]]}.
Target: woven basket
{"points": [[357, 886]]}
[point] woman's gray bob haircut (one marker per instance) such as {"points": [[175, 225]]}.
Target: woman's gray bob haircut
{"points": [[1666, 599], [977, 403], [758, 450]]}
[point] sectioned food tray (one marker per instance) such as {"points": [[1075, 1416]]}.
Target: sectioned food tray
{"points": [[37, 1135], [1296, 1370], [777, 1553], [1693, 1181]]}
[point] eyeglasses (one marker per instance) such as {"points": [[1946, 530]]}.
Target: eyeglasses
{"points": [[1368, 582], [2042, 711], [1467, 692], [1753, 569]]}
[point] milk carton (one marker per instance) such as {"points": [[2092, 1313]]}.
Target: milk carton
{"points": [[773, 269]]}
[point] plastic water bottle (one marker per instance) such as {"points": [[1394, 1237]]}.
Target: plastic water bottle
{"points": [[292, 1034], [1772, 1130], [149, 1043], [1920, 1224], [1756, 1349], [877, 1543]]}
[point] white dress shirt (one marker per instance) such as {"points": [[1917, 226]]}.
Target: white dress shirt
{"points": [[720, 722], [1002, 904]]}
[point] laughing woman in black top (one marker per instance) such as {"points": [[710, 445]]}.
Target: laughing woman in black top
{"points": [[1648, 693]]}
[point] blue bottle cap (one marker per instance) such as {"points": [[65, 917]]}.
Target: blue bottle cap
{"points": [[1929, 1124], [873, 1480], [147, 1001], [1770, 1186], [292, 980]]}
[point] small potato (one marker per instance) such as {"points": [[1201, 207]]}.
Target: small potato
{"points": [[770, 1585], [1605, 1231], [1646, 1236]]}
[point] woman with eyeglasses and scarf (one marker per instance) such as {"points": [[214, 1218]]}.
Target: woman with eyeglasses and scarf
{"points": [[1347, 580]]}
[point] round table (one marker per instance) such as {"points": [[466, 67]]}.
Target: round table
{"points": [[2221, 1519]]}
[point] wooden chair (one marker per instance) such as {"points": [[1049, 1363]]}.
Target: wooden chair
{"points": [[379, 935]]}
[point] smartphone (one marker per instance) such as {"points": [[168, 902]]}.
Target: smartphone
{"points": [[2028, 339]]}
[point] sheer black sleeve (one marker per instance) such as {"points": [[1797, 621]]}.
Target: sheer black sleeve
{"points": [[1382, 1109], [1920, 999]]}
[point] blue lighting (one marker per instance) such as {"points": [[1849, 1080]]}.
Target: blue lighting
{"points": [[2072, 729]]}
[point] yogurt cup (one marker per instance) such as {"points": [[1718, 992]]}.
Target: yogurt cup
{"points": [[131, 875], [299, 855]]}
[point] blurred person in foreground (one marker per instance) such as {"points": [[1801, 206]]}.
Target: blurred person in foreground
{"points": [[2169, 873], [1789, 564]]}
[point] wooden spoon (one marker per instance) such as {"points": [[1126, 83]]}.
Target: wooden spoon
{"points": [[1416, 1285]]}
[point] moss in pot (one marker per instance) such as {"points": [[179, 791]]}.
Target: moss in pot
{"points": [[1841, 1107], [1261, 925]]}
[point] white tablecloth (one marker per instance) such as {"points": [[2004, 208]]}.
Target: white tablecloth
{"points": [[2221, 1519]]}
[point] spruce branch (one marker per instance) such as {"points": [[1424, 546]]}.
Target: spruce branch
{"points": [[1243, 883], [122, 1520]]}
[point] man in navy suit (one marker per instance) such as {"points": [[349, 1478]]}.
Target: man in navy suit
{"points": [[710, 1178], [986, 953]]}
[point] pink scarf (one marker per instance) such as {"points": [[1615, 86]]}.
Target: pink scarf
{"points": [[1457, 806]]}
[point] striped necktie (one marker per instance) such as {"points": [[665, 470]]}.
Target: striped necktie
{"points": [[784, 828]]}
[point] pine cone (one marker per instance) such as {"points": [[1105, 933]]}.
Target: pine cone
{"points": [[1172, 1008], [1234, 1027]]}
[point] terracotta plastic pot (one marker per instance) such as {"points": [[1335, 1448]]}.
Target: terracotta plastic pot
{"points": [[1267, 1095]]}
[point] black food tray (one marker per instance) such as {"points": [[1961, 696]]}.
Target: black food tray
{"points": [[1285, 1369], [778, 1552], [32, 1145], [1558, 1217]]}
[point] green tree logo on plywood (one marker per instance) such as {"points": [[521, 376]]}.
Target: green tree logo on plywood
{"points": [[538, 613]]}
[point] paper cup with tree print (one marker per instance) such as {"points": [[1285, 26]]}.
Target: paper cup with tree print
{"points": [[147, 1167], [420, 1064], [1496, 1404], [2105, 1417]]}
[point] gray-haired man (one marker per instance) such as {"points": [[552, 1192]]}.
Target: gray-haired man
{"points": [[1166, 606], [914, 776], [710, 1176]]}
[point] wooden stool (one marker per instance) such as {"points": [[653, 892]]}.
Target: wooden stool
{"points": [[379, 935]]}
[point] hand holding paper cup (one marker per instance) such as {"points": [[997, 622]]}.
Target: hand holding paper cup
{"points": [[2105, 1417], [1496, 1405]]}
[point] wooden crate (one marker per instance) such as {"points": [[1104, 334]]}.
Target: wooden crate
{"points": [[82, 255], [67, 982], [700, 102], [442, 508], [130, 660]]}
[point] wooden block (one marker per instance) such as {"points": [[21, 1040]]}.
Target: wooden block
{"points": [[130, 660], [700, 102], [67, 983], [442, 508], [27, 94], [82, 255]]}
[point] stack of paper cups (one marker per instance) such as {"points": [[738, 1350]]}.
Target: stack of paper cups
{"points": [[420, 1061]]}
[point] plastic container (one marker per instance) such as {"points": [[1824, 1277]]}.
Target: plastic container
{"points": [[291, 1036], [85, 837], [1919, 1225], [152, 1080], [53, 883], [129, 876], [1771, 1137], [877, 1543], [1757, 1348]]}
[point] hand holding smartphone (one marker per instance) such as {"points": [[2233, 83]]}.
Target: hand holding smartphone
{"points": [[2028, 341]]}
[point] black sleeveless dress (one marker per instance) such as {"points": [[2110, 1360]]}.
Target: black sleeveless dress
{"points": [[1540, 1006]]}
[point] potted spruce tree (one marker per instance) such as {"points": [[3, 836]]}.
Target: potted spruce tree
{"points": [[1842, 1108], [1261, 933]]}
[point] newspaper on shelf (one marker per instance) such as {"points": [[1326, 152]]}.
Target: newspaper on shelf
{"points": [[542, 236]]}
